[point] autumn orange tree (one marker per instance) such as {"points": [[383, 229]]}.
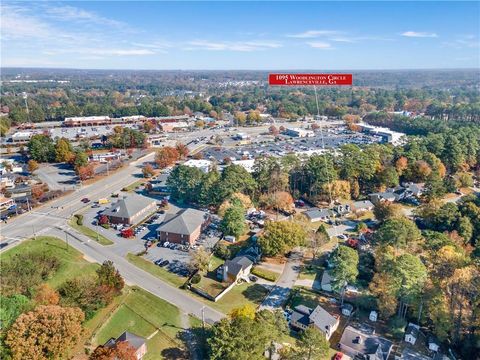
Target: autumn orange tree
{"points": [[32, 166], [121, 351], [166, 156], [148, 171], [182, 150], [45, 295], [45, 333]]}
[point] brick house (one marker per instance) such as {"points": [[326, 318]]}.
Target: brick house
{"points": [[135, 341], [130, 210], [183, 227]]}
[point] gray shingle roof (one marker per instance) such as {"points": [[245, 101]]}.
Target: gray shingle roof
{"points": [[184, 222], [322, 319], [237, 264], [367, 344], [133, 340], [128, 206], [318, 213], [365, 204]]}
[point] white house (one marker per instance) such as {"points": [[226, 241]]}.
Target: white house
{"points": [[347, 309], [316, 214], [411, 333], [304, 317], [237, 268], [373, 316]]}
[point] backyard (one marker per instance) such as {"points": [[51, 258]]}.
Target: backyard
{"points": [[143, 314]]}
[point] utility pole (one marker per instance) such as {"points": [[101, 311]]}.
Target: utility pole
{"points": [[66, 238], [34, 235], [203, 318]]}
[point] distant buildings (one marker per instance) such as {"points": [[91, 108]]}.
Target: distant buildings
{"points": [[298, 132], [387, 135], [22, 136], [130, 210]]}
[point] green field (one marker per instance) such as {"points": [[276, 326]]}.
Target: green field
{"points": [[72, 263], [143, 314], [89, 232], [155, 270]]}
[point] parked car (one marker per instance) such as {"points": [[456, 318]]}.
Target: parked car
{"points": [[157, 262], [253, 278], [166, 243], [342, 237], [164, 263]]}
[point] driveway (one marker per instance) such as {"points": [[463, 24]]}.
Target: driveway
{"points": [[282, 287]]}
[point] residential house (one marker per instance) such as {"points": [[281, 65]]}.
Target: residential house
{"points": [[373, 316], [364, 205], [303, 317], [342, 210], [183, 227], [364, 342], [137, 342], [130, 210], [237, 268], [412, 333], [378, 197], [6, 203], [316, 214]]}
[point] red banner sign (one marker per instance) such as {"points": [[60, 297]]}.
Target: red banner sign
{"points": [[310, 79]]}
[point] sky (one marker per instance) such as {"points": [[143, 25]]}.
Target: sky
{"points": [[240, 35]]}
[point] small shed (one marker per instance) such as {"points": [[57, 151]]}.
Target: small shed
{"points": [[373, 316], [433, 344]]}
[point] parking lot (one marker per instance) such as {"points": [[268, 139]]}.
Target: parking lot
{"points": [[262, 145], [175, 257]]}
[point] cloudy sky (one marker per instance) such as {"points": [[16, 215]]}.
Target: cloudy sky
{"points": [[240, 35]]}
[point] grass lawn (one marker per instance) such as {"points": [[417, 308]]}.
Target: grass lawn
{"points": [[133, 186], [72, 263], [143, 313], [310, 269], [155, 270], [89, 232], [265, 274], [215, 262], [211, 286], [239, 296]]}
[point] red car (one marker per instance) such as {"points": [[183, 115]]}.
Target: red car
{"points": [[338, 356]]}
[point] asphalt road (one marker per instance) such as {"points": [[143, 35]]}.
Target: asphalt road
{"points": [[283, 286], [51, 219]]}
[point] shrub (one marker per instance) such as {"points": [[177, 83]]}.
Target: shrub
{"points": [[265, 274], [196, 278], [222, 251], [79, 219], [106, 226]]}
